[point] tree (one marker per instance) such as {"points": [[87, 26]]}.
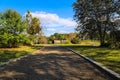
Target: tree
{"points": [[65, 38], [72, 35], [42, 40], [33, 24], [94, 16], [12, 22], [11, 28]]}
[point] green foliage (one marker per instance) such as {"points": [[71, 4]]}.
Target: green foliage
{"points": [[42, 40], [66, 42], [34, 27], [33, 24], [65, 38], [114, 40], [28, 40], [51, 38], [10, 40], [75, 41], [94, 17], [11, 28], [12, 22], [58, 36]]}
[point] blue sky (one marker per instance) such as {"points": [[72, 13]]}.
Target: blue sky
{"points": [[55, 15]]}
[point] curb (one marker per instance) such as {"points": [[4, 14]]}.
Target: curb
{"points": [[112, 74], [14, 60], [17, 59]]}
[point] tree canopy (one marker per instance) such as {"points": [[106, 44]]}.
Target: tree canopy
{"points": [[33, 24], [13, 28], [95, 17], [69, 37], [12, 22]]}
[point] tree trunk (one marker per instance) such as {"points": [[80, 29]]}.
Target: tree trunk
{"points": [[102, 42], [101, 35]]}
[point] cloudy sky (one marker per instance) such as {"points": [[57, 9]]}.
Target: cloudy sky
{"points": [[55, 15]]}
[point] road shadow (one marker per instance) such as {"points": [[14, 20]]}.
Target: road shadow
{"points": [[56, 64]]}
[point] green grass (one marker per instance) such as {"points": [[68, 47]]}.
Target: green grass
{"points": [[105, 56], [82, 43], [7, 54]]}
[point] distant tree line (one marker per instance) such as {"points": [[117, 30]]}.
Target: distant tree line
{"points": [[99, 19], [68, 37], [16, 30]]}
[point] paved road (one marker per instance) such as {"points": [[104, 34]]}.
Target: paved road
{"points": [[51, 63]]}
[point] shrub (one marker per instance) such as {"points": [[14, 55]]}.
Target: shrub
{"points": [[67, 42], [75, 41], [10, 40]]}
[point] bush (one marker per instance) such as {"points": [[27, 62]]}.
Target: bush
{"points": [[66, 42], [28, 40], [75, 41], [106, 44], [10, 40], [11, 28], [114, 44], [6, 40], [42, 40]]}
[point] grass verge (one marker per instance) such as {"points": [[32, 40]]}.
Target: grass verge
{"points": [[7, 54], [105, 56]]}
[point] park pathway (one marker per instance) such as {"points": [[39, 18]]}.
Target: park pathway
{"points": [[51, 63]]}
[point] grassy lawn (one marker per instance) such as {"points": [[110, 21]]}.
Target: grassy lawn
{"points": [[7, 54], [105, 56]]}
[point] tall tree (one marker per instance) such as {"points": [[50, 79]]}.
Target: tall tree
{"points": [[12, 22], [33, 24], [34, 27], [11, 28], [94, 16]]}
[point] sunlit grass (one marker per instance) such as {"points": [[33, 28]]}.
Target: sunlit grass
{"points": [[21, 48], [89, 43], [105, 56], [82, 43], [7, 54]]}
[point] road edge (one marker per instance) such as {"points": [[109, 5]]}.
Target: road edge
{"points": [[112, 74], [17, 59]]}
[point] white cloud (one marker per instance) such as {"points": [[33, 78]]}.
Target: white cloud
{"points": [[51, 29], [53, 20], [63, 31], [52, 23]]}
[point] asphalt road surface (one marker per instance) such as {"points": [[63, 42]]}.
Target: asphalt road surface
{"points": [[51, 63]]}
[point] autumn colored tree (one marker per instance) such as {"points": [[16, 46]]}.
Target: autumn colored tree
{"points": [[33, 24]]}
